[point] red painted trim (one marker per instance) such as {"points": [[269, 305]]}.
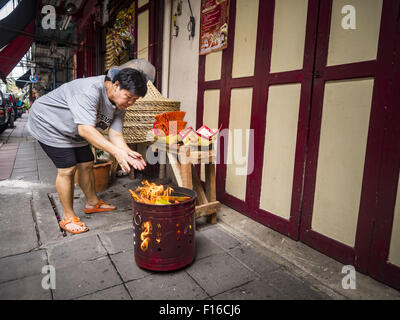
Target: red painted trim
{"points": [[331, 247], [216, 84], [354, 70], [235, 203], [380, 172], [200, 92], [150, 7], [304, 119], [156, 24], [289, 76], [135, 46], [260, 82], [273, 221], [244, 82], [260, 98], [304, 76], [369, 212], [380, 268], [11, 55], [145, 7], [312, 238], [89, 49], [359, 255], [158, 8], [87, 11], [225, 98]]}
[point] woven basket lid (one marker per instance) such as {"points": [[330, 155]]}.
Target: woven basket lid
{"points": [[153, 96]]}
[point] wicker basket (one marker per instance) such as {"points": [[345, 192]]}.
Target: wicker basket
{"points": [[139, 117]]}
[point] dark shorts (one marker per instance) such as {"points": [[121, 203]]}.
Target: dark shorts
{"points": [[68, 157]]}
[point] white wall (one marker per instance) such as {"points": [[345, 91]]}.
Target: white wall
{"points": [[183, 59]]}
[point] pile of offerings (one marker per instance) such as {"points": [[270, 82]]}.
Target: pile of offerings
{"points": [[170, 128]]}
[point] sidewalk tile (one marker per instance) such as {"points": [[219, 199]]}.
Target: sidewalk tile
{"points": [[69, 253], [254, 290], [127, 267], [26, 177], [85, 278], [166, 286], [22, 265], [24, 289], [25, 165], [205, 247], [220, 237], [254, 260], [114, 293], [293, 286], [219, 273], [17, 240], [117, 241], [24, 170], [47, 223]]}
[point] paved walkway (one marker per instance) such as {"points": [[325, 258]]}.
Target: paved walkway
{"points": [[9, 141], [100, 264]]}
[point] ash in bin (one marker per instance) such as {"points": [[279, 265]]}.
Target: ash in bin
{"points": [[139, 64]]}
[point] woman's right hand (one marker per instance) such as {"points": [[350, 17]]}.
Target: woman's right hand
{"points": [[126, 161]]}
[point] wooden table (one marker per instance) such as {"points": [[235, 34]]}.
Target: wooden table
{"points": [[182, 159]]}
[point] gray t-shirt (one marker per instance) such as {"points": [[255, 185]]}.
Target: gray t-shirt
{"points": [[54, 117]]}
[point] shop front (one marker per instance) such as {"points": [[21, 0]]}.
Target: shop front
{"points": [[312, 93], [317, 99]]}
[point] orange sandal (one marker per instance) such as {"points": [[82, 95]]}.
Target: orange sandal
{"points": [[98, 208], [74, 221]]}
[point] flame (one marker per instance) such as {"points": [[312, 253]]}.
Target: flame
{"points": [[150, 192], [144, 236]]}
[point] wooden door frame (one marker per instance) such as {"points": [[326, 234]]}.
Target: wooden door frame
{"points": [[382, 158], [359, 255], [260, 83], [379, 267], [305, 78], [156, 25]]}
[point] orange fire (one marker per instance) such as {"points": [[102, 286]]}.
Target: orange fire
{"points": [[144, 236], [150, 192]]}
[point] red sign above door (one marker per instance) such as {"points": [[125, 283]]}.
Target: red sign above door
{"points": [[214, 25]]}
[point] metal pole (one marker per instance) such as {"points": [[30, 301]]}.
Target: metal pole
{"points": [[55, 74]]}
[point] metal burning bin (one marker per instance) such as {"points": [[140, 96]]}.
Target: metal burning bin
{"points": [[164, 235]]}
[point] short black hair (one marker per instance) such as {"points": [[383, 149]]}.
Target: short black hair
{"points": [[132, 80]]}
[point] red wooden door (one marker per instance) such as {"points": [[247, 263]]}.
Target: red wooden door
{"points": [[384, 260], [260, 83], [364, 84], [267, 80], [344, 172]]}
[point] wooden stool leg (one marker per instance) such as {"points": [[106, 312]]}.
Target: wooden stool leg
{"points": [[186, 169], [114, 167], [201, 196], [162, 172], [186, 174]]}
